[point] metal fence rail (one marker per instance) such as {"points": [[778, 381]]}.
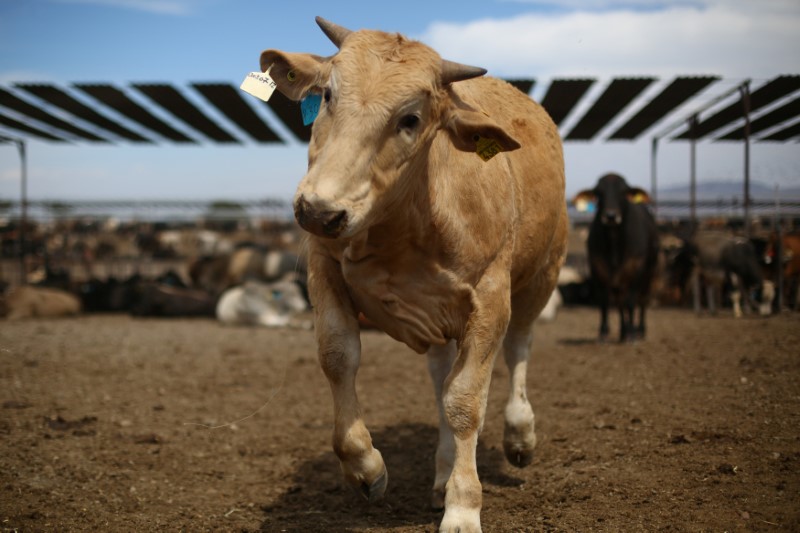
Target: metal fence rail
{"points": [[277, 209]]}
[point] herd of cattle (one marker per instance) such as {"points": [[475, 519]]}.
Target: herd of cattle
{"points": [[249, 282], [239, 279], [247, 277]]}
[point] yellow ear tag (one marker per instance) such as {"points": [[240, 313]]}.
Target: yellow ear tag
{"points": [[487, 148], [639, 198], [259, 84]]}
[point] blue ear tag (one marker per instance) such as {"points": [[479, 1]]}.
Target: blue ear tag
{"points": [[309, 107]]}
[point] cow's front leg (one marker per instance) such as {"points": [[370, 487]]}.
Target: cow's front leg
{"points": [[339, 348], [603, 297], [464, 400]]}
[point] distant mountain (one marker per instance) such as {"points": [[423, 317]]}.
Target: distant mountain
{"points": [[714, 190]]}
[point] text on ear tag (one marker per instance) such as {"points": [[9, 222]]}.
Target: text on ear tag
{"points": [[259, 84], [487, 148], [309, 107]]}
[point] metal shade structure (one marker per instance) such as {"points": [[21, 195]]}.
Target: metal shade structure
{"points": [[586, 110]]}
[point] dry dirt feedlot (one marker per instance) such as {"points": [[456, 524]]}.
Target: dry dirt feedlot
{"points": [[110, 423]]}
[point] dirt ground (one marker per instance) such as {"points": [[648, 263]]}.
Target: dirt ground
{"points": [[109, 423]]}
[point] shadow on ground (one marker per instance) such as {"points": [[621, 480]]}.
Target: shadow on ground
{"points": [[319, 500]]}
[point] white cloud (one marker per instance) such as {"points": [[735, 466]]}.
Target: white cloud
{"points": [[731, 39], [158, 7]]}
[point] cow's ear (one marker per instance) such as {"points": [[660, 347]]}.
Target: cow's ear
{"points": [[468, 128], [637, 196], [294, 74], [585, 201]]}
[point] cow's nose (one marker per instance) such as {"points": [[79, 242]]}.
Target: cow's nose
{"points": [[611, 217], [319, 221]]}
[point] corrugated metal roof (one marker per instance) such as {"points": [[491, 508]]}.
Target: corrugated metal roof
{"points": [[764, 95], [36, 132], [676, 93], [562, 96], [60, 98], [221, 113], [173, 101], [619, 93], [766, 121], [228, 100], [116, 99], [21, 106], [785, 134]]}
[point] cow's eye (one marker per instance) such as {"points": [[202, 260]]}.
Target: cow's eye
{"points": [[408, 122], [326, 94]]}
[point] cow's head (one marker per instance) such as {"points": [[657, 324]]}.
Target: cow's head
{"points": [[610, 198], [384, 98]]}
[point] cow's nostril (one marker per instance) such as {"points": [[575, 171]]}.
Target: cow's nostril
{"points": [[301, 207], [322, 222], [335, 221]]}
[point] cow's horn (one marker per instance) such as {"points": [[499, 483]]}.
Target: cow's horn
{"points": [[334, 32], [452, 72]]}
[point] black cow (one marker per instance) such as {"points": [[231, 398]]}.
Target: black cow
{"points": [[724, 260], [623, 252]]}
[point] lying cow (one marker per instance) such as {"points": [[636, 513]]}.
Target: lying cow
{"points": [[29, 301], [218, 273], [159, 299], [566, 276], [623, 252], [721, 260], [261, 304], [434, 200]]}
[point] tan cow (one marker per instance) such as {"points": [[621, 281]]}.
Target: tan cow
{"points": [[453, 255], [28, 301]]}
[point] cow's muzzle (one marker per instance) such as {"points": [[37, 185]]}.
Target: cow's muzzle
{"points": [[321, 222], [611, 217]]}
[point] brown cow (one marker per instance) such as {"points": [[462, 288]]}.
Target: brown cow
{"points": [[789, 263], [28, 301], [453, 254]]}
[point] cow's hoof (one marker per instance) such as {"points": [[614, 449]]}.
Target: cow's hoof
{"points": [[519, 455], [519, 437], [374, 492], [461, 520]]}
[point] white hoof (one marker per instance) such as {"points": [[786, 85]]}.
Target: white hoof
{"points": [[519, 436], [460, 520]]}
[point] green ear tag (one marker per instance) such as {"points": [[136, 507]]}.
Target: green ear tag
{"points": [[487, 148]]}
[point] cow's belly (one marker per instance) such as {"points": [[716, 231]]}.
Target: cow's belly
{"points": [[417, 304]]}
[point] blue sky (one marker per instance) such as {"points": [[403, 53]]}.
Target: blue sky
{"points": [[181, 41]]}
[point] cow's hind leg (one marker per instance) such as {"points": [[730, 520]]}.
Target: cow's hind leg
{"points": [[519, 436], [440, 362]]}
